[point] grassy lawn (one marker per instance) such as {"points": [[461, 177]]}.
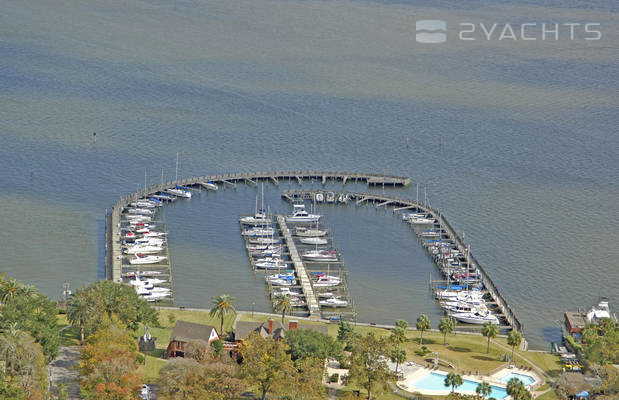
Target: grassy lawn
{"points": [[150, 369], [69, 336], [551, 395]]}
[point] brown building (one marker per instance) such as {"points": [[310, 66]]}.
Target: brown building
{"points": [[575, 322], [185, 332], [271, 328]]}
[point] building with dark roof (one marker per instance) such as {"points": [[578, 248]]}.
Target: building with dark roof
{"points": [[185, 332], [271, 328]]}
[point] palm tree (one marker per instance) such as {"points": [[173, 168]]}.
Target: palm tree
{"points": [[517, 390], [446, 326], [283, 304], [79, 311], [423, 323], [490, 331], [222, 306], [454, 380], [484, 389], [401, 324], [398, 356], [514, 339], [398, 335], [9, 289]]}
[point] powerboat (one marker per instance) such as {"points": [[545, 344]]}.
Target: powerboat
{"points": [[430, 234], [342, 198], [326, 281], [478, 317], [320, 255], [146, 259], [264, 240], [287, 292], [330, 197], [154, 234], [420, 221], [333, 302], [144, 211], [319, 197], [313, 240], [279, 264], [300, 215], [259, 218]]}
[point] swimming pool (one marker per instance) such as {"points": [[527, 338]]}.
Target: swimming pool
{"points": [[434, 381], [526, 379]]}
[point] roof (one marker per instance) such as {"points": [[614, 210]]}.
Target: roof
{"points": [[185, 331], [576, 320], [244, 328]]}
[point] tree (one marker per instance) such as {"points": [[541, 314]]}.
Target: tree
{"points": [[186, 379], [306, 383], [490, 331], [283, 304], [367, 365], [266, 364], [398, 335], [197, 350], [24, 364], [398, 356], [83, 308], [107, 366], [401, 324], [454, 380], [484, 389], [446, 326], [35, 314], [218, 347], [346, 334], [517, 390], [222, 306], [423, 323], [309, 343], [514, 339]]}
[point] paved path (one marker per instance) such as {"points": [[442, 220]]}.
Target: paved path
{"points": [[61, 371]]}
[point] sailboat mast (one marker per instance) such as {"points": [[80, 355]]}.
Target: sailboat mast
{"points": [[176, 179]]}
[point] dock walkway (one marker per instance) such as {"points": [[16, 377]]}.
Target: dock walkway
{"points": [[306, 285], [405, 204]]}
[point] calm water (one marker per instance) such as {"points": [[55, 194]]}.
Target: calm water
{"points": [[517, 142]]}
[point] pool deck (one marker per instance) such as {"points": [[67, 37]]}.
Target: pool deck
{"points": [[414, 374]]}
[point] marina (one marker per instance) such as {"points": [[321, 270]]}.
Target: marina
{"points": [[303, 263]]}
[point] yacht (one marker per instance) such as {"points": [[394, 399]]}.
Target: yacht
{"points": [[333, 302], [300, 215], [279, 264], [143, 204], [319, 197], [313, 240], [305, 232], [320, 255], [477, 317], [282, 282], [209, 185], [146, 282], [420, 221], [264, 240], [146, 259], [430, 234], [287, 292], [179, 191], [326, 281], [256, 232], [154, 296], [330, 197], [143, 249], [458, 295], [154, 234]]}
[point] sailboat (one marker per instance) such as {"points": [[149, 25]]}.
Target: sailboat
{"points": [[259, 217], [179, 191]]}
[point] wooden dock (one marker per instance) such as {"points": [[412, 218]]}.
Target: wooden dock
{"points": [[380, 200], [113, 240], [306, 285]]}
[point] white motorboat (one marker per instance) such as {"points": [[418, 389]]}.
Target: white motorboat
{"points": [[306, 232], [154, 234], [210, 185], [478, 317], [268, 259], [146, 259], [333, 302], [454, 295], [342, 198], [141, 273], [150, 296], [325, 295], [258, 232], [320, 255], [319, 197], [420, 221], [144, 211], [256, 219], [313, 240], [179, 191], [151, 289], [330, 197], [326, 281], [153, 241], [143, 204], [146, 282], [143, 249], [136, 219], [300, 215], [282, 282]]}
